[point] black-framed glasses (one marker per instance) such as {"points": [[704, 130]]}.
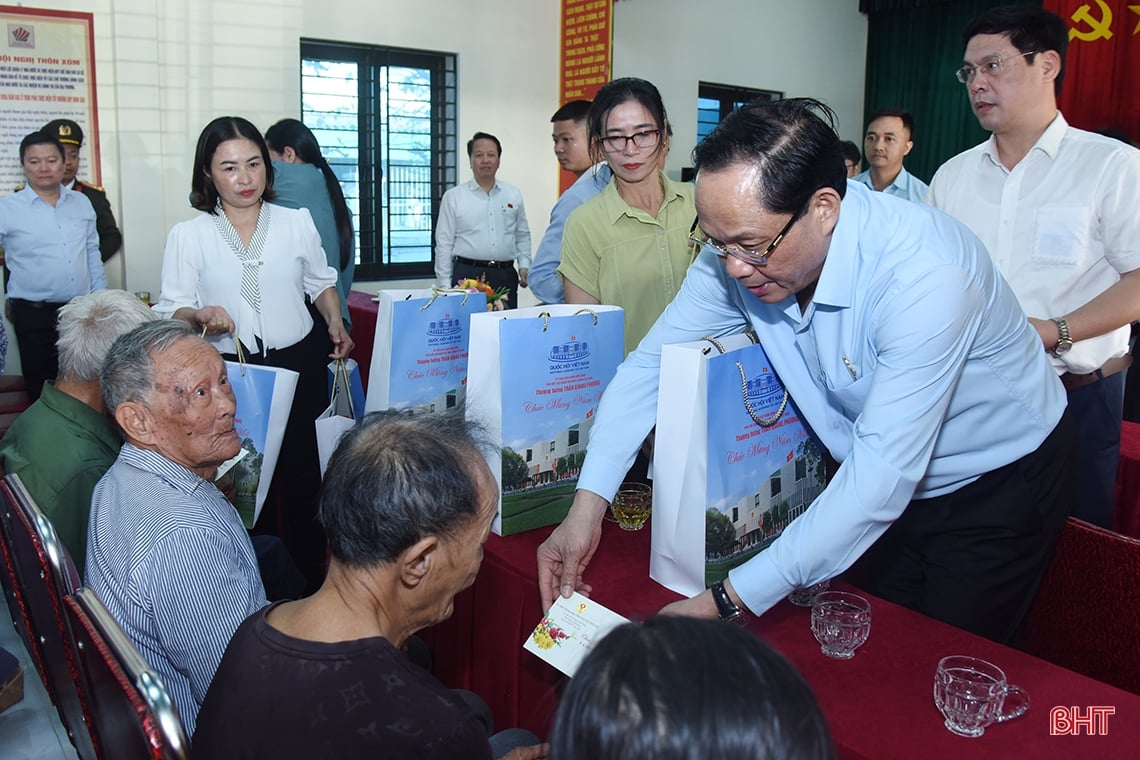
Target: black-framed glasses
{"points": [[992, 68], [646, 138], [752, 258]]}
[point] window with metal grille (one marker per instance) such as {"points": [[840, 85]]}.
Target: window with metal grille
{"points": [[385, 119], [715, 101]]}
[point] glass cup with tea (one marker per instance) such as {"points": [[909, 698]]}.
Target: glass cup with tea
{"points": [[631, 505]]}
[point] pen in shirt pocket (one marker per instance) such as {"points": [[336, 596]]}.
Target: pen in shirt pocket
{"points": [[850, 367]]}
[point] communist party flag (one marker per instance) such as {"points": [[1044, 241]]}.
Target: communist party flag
{"points": [[1102, 69]]}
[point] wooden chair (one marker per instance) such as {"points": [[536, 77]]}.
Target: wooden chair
{"points": [[1086, 616], [129, 710], [44, 574]]}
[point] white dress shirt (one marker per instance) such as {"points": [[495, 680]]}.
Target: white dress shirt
{"points": [[483, 226], [1061, 226], [200, 269]]}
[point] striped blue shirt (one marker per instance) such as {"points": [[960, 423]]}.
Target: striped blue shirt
{"points": [[169, 556]]}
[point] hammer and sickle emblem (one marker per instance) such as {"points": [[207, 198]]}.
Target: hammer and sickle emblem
{"points": [[1098, 28]]}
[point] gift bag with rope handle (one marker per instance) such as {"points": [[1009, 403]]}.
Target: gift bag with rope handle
{"points": [[730, 475], [536, 377]]}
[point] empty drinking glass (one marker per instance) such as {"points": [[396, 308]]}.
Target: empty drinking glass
{"points": [[971, 694], [841, 623]]}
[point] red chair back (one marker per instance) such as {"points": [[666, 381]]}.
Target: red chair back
{"points": [[129, 708], [13, 586], [1086, 616], [44, 575]]}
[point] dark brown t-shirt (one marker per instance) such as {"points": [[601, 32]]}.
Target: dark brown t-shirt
{"points": [[281, 697]]}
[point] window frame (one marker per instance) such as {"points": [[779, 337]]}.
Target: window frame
{"points": [[375, 255], [731, 96]]}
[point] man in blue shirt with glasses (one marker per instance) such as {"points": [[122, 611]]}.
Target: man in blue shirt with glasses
{"points": [[906, 353]]}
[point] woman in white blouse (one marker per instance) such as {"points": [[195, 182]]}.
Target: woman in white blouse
{"points": [[241, 270]]}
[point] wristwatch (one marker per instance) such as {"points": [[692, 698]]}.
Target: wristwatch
{"points": [[727, 609], [1064, 343]]}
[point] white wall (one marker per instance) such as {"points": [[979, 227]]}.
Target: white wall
{"points": [[166, 67], [815, 48], [508, 78]]}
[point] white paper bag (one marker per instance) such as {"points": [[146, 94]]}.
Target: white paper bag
{"points": [[339, 416], [730, 474], [419, 358], [535, 378], [264, 397]]}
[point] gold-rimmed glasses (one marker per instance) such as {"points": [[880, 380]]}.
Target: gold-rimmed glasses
{"points": [[752, 258], [991, 68]]}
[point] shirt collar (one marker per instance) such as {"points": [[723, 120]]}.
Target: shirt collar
{"points": [[473, 185], [98, 425], [616, 207], [1048, 143], [170, 471], [32, 196], [901, 180], [834, 286]]}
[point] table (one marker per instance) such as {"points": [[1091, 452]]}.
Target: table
{"points": [[1128, 481], [362, 310], [878, 705]]}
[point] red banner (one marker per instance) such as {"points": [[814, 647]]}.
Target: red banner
{"points": [[587, 54], [1101, 90]]}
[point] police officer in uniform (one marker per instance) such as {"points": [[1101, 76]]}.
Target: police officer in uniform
{"points": [[71, 137]]}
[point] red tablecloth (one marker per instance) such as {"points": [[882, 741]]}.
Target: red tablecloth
{"points": [[878, 705], [1128, 481], [362, 310]]}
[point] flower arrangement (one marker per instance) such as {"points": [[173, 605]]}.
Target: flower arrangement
{"points": [[496, 299], [547, 634]]}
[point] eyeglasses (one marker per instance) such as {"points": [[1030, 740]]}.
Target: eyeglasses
{"points": [[991, 69], [752, 258], [644, 139]]}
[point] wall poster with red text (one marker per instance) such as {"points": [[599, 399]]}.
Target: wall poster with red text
{"points": [[47, 71], [587, 55]]}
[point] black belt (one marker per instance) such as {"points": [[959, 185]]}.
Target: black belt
{"points": [[492, 264], [1108, 369], [55, 305]]}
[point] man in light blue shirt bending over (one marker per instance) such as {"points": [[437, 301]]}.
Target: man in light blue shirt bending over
{"points": [[572, 149], [905, 351]]}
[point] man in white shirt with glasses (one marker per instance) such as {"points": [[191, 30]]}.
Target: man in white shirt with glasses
{"points": [[1057, 209]]}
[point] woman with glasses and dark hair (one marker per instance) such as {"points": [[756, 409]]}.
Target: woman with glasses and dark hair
{"points": [[303, 178], [675, 688], [241, 271], [628, 246]]}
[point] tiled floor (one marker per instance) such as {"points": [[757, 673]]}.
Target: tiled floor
{"points": [[30, 729]]}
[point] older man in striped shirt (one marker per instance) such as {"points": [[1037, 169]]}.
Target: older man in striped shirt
{"points": [[166, 552]]}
